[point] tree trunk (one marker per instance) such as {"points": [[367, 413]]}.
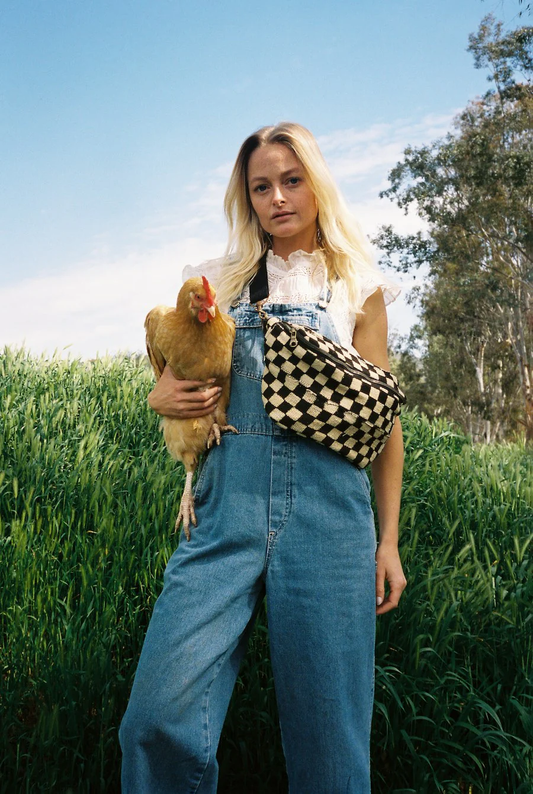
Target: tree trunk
{"points": [[529, 418], [517, 338]]}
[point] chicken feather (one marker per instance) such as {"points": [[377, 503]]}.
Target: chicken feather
{"points": [[196, 340]]}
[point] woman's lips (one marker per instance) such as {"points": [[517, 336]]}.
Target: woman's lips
{"points": [[281, 216]]}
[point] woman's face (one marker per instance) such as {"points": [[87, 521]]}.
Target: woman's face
{"points": [[280, 195]]}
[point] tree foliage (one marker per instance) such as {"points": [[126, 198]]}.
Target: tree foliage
{"points": [[474, 190]]}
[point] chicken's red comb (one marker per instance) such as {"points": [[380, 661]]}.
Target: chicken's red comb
{"points": [[208, 295]]}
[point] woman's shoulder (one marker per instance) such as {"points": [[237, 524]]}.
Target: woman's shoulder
{"points": [[341, 308], [372, 279], [210, 268]]}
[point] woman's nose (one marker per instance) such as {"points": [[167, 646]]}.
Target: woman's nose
{"points": [[277, 195]]}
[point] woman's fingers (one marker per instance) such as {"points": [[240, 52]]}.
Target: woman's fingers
{"points": [[393, 598], [193, 385], [192, 410], [388, 569], [192, 404], [196, 398], [183, 384], [183, 399], [380, 584]]}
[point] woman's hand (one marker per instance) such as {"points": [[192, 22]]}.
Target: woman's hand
{"points": [[370, 339], [183, 399], [388, 568]]}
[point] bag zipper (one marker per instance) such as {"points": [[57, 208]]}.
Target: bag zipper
{"points": [[295, 333]]}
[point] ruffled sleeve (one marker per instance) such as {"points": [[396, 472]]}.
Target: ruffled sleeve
{"points": [[343, 312], [210, 269], [373, 279]]}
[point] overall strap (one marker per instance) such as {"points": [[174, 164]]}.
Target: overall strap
{"points": [[259, 284]]}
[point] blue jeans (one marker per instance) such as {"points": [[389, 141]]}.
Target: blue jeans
{"points": [[285, 516]]}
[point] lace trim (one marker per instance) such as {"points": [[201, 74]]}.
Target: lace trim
{"points": [[300, 279]]}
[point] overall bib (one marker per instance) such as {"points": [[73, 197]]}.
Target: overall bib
{"points": [[281, 516]]}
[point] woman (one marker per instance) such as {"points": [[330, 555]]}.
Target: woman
{"points": [[277, 514]]}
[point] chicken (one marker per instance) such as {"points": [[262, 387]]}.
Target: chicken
{"points": [[196, 340]]}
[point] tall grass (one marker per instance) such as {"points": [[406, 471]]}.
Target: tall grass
{"points": [[88, 496], [453, 685]]}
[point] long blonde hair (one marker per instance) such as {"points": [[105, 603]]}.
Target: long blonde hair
{"points": [[345, 248]]}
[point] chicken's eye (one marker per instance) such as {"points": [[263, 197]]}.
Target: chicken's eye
{"points": [[198, 297]]}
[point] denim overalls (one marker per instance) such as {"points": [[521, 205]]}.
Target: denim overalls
{"points": [[280, 515]]}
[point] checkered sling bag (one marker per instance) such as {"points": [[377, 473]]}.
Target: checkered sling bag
{"points": [[322, 391]]}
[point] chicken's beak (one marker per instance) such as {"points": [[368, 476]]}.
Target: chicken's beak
{"points": [[212, 310]]}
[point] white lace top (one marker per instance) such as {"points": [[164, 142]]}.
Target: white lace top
{"points": [[301, 279]]}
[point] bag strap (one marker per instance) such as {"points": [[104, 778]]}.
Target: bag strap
{"points": [[259, 284]]}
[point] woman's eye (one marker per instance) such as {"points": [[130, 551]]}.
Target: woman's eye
{"points": [[294, 180], [261, 188]]}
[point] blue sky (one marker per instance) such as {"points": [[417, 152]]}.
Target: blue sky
{"points": [[120, 119]]}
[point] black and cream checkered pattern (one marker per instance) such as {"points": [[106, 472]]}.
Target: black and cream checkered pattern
{"points": [[322, 391]]}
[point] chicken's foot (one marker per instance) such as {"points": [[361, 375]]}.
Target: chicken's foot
{"points": [[216, 432], [186, 513]]}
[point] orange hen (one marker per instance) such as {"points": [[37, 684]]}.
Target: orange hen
{"points": [[196, 340]]}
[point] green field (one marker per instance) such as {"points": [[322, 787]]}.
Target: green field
{"points": [[88, 498]]}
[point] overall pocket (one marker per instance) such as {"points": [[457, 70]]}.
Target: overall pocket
{"points": [[249, 346], [248, 350]]}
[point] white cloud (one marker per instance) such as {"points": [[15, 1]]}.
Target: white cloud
{"points": [[99, 305], [353, 154], [373, 212], [207, 208], [224, 171]]}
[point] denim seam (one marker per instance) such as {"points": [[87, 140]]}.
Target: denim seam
{"points": [[366, 481], [288, 484], [275, 533], [200, 480], [372, 695], [247, 316], [205, 709], [269, 530], [244, 432], [242, 374]]}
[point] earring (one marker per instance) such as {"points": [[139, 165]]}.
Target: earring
{"points": [[319, 238]]}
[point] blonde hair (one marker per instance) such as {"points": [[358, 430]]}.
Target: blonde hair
{"points": [[344, 246]]}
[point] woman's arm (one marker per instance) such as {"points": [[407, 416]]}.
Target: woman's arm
{"points": [[182, 399], [370, 340]]}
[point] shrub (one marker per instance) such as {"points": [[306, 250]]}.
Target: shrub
{"points": [[88, 497]]}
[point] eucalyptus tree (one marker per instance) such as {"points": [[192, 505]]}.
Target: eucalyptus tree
{"points": [[474, 190]]}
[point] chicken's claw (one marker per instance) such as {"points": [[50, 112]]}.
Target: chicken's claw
{"points": [[186, 514], [216, 432]]}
